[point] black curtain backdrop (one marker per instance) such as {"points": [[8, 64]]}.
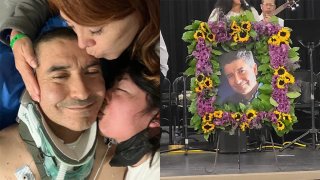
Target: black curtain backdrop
{"points": [[176, 14]]}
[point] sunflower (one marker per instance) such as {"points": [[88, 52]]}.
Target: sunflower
{"points": [[284, 42], [235, 38], [207, 127], [199, 89], [208, 82], [211, 37], [286, 117], [246, 25], [289, 78], [284, 34], [274, 40], [236, 116], [198, 34], [207, 117], [280, 71], [243, 126], [278, 114], [200, 78], [280, 126], [218, 114], [203, 27], [251, 114], [281, 82], [243, 36], [235, 26]]}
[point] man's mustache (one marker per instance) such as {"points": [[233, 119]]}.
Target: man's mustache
{"points": [[78, 102]]}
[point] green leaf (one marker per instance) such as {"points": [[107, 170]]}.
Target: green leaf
{"points": [[225, 47], [266, 88], [264, 97], [206, 136], [265, 59], [295, 59], [256, 104], [292, 53], [188, 36], [293, 95], [194, 26], [227, 107], [253, 34], [274, 20], [193, 107], [264, 67], [273, 102], [242, 107], [191, 47], [233, 44], [249, 46], [216, 52], [196, 120], [296, 48], [193, 62], [233, 107], [249, 16], [190, 71]]}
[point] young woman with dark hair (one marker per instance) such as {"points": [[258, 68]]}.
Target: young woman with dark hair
{"points": [[230, 8]]}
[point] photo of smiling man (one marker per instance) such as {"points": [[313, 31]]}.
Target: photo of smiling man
{"points": [[240, 71]]}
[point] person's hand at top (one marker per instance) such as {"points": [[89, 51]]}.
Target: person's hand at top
{"points": [[25, 61]]}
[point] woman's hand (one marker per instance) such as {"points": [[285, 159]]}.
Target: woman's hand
{"points": [[25, 60]]}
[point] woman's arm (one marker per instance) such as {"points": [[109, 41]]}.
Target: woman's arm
{"points": [[26, 16]]}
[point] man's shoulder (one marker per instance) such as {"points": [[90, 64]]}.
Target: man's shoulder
{"points": [[234, 98]]}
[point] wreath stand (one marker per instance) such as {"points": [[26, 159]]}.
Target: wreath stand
{"points": [[306, 33], [213, 167]]}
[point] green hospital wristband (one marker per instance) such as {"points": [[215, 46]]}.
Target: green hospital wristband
{"points": [[15, 38]]}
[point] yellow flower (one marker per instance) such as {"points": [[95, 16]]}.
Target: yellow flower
{"points": [[235, 27], [200, 78], [208, 82], [280, 126], [289, 78], [283, 42], [203, 27], [211, 37], [207, 117], [243, 126], [199, 89], [286, 117], [199, 34], [274, 40], [246, 25], [251, 114], [243, 36], [281, 71], [278, 114], [236, 116], [207, 127], [284, 34], [281, 82], [218, 114], [236, 38]]}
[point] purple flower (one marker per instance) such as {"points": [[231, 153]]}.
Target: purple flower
{"points": [[278, 55], [205, 105], [272, 117], [220, 29]]}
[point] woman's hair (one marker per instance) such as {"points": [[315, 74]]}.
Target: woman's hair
{"points": [[98, 12], [226, 5], [113, 71]]}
